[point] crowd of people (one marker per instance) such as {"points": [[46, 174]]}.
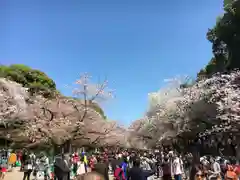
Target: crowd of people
{"points": [[124, 165]]}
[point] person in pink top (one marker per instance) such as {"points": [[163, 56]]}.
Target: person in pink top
{"points": [[75, 161]]}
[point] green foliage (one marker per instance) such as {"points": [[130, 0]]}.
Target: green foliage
{"points": [[227, 3], [35, 80], [201, 75], [225, 39], [98, 109], [37, 87]]}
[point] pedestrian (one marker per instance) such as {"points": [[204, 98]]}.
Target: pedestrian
{"points": [[119, 173], [124, 166], [27, 166], [3, 168], [44, 161], [166, 169], [177, 167], [81, 169], [75, 161], [137, 173], [61, 168]]}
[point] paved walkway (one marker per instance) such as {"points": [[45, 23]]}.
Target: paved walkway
{"points": [[17, 175]]}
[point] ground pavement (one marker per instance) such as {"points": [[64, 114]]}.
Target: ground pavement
{"points": [[17, 175]]}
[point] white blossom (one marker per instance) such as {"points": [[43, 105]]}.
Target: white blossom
{"points": [[174, 110]]}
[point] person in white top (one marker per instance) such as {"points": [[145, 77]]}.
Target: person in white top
{"points": [[177, 168], [216, 169], [144, 164]]}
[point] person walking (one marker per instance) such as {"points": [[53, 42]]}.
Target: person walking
{"points": [[119, 173], [215, 171], [44, 161], [3, 166], [27, 165], [166, 169], [61, 168], [137, 173], [177, 168]]}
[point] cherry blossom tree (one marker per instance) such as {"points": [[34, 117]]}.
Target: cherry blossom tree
{"points": [[89, 93], [138, 135], [75, 118], [52, 120], [206, 107], [164, 114], [12, 100], [118, 136], [13, 107]]}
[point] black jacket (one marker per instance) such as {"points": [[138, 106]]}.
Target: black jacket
{"points": [[136, 173], [61, 169]]}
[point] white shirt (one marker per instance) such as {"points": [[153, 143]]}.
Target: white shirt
{"points": [[216, 167], [81, 169], [120, 155], [145, 165], [177, 166]]}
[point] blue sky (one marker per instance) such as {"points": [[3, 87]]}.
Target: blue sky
{"points": [[135, 43]]}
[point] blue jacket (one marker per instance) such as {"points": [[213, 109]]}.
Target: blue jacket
{"points": [[124, 167]]}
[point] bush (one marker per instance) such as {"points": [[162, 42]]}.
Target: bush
{"points": [[38, 88], [35, 80]]}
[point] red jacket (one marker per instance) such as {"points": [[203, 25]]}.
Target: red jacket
{"points": [[119, 174]]}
